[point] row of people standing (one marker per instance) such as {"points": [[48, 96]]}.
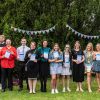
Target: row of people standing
{"points": [[36, 61], [75, 62], [29, 59], [64, 63]]}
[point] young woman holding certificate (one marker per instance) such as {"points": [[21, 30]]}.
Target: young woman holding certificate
{"points": [[32, 66], [55, 59], [66, 69], [44, 64], [8, 55], [88, 53], [96, 65], [78, 66]]}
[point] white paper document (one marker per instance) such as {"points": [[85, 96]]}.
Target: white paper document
{"points": [[56, 54], [79, 58], [45, 55], [66, 58], [97, 56], [33, 57], [7, 54], [21, 57]]}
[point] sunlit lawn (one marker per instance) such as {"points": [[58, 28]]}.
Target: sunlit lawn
{"points": [[24, 95]]}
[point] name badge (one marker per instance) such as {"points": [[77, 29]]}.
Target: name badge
{"points": [[45, 55], [33, 57], [79, 58], [21, 56], [66, 58], [7, 54], [56, 54], [97, 56]]}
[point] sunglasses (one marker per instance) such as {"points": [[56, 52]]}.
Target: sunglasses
{"points": [[67, 47]]}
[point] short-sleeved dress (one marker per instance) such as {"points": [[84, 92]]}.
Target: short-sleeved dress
{"points": [[78, 69], [66, 69], [55, 68], [96, 66], [32, 67]]}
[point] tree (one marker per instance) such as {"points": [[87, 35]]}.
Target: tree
{"points": [[82, 15]]}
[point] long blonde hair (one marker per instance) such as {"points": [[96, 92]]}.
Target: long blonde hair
{"points": [[90, 45]]}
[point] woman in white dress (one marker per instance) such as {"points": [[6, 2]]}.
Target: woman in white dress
{"points": [[66, 69]]}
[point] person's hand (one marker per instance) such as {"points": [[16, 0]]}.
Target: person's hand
{"points": [[12, 52], [55, 60], [3, 56], [35, 60], [42, 55], [75, 61], [17, 58], [78, 62], [29, 55]]}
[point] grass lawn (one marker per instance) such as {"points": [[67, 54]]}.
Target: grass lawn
{"points": [[24, 95]]}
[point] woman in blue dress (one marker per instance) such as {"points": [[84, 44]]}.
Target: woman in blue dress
{"points": [[96, 65], [55, 59]]}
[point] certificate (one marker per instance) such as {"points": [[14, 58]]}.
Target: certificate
{"points": [[97, 56], [45, 55], [56, 54], [21, 57], [66, 58], [79, 58], [7, 54], [33, 57]]}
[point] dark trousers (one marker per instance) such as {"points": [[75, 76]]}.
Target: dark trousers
{"points": [[43, 73], [7, 73], [22, 74], [43, 81]]}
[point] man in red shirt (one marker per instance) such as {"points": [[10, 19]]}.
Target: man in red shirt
{"points": [[8, 55]]}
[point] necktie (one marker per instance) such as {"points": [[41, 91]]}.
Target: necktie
{"points": [[23, 49]]}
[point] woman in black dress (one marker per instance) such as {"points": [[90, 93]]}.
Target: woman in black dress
{"points": [[78, 66], [32, 66]]}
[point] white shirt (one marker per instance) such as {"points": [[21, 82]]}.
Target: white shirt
{"points": [[21, 52]]}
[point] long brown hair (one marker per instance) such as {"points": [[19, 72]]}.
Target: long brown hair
{"points": [[78, 43]]}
